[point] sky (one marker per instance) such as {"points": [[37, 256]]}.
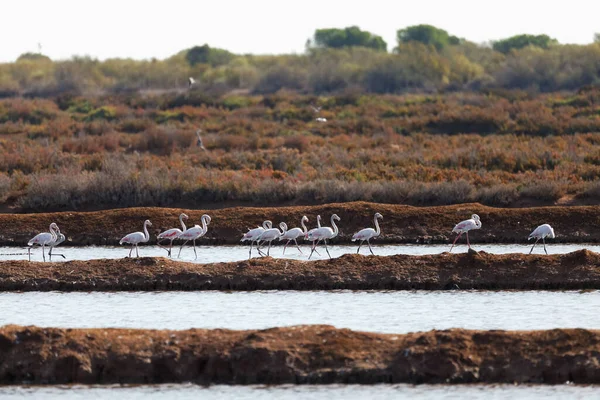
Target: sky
{"points": [[158, 29]]}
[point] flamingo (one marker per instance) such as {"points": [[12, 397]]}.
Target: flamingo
{"points": [[465, 226], [136, 238], [293, 234], [309, 233], [323, 234], [44, 239], [195, 233], [541, 232], [59, 239], [268, 235], [368, 233], [253, 234], [172, 233]]}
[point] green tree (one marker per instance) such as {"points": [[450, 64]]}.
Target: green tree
{"points": [[427, 34], [351, 36], [208, 55], [521, 41]]}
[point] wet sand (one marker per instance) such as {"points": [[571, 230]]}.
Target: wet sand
{"points": [[317, 354], [473, 270], [401, 224]]}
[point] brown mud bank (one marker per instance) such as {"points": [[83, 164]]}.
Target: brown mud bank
{"points": [[576, 270], [401, 224], [315, 354]]}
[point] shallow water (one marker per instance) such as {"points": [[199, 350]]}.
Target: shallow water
{"points": [[284, 392], [376, 311], [209, 254]]}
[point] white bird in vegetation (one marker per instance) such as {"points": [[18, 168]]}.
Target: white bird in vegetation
{"points": [[541, 232], [465, 226], [368, 234], [317, 110], [321, 119], [136, 238], [268, 235], [59, 239], [191, 81], [253, 234], [172, 233], [195, 233], [293, 234], [45, 238], [324, 233], [199, 140]]}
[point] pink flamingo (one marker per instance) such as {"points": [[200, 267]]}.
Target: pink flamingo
{"points": [[268, 235], [293, 234], [44, 239], [253, 234], [195, 233], [465, 226], [136, 238], [59, 239], [172, 234], [541, 232], [324, 233], [310, 233], [368, 233]]}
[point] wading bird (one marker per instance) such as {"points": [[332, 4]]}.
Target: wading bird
{"points": [[59, 239], [199, 140], [541, 232], [368, 233], [293, 234], [268, 235], [195, 233], [171, 234], [324, 233], [253, 234], [465, 226], [310, 233], [44, 239], [136, 238], [191, 82]]}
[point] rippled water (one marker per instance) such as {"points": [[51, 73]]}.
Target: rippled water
{"points": [[284, 392], [392, 312], [208, 254]]}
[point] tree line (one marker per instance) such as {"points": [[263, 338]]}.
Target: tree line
{"points": [[425, 59]]}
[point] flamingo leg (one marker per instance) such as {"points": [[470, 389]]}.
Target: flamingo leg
{"points": [[295, 241], [544, 241], [468, 244], [250, 252], [314, 248], [453, 243], [130, 251], [369, 243], [326, 249], [137, 254], [194, 243], [163, 247], [43, 255], [181, 248], [284, 247], [29, 253], [359, 244], [269, 248], [538, 239]]}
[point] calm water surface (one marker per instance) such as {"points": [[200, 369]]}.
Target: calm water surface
{"points": [[208, 254], [392, 312], [285, 392]]}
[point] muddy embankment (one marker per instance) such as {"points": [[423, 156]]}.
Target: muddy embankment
{"points": [[401, 224], [577, 270], [316, 354]]}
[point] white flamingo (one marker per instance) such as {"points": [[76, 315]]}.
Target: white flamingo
{"points": [[465, 226], [310, 233], [44, 239], [368, 233], [136, 238], [59, 239], [195, 233], [253, 234], [541, 232], [172, 234], [324, 233], [293, 234], [268, 235]]}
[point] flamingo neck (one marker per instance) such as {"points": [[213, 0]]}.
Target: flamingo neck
{"points": [[335, 228], [319, 221], [303, 226], [146, 234], [377, 230], [283, 227], [183, 228], [53, 233], [204, 224]]}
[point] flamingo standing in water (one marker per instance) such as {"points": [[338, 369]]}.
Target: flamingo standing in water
{"points": [[309, 234], [268, 235], [59, 239], [465, 226], [541, 232], [172, 234], [253, 234], [293, 234], [324, 233], [368, 233], [44, 239], [136, 238], [195, 233]]}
